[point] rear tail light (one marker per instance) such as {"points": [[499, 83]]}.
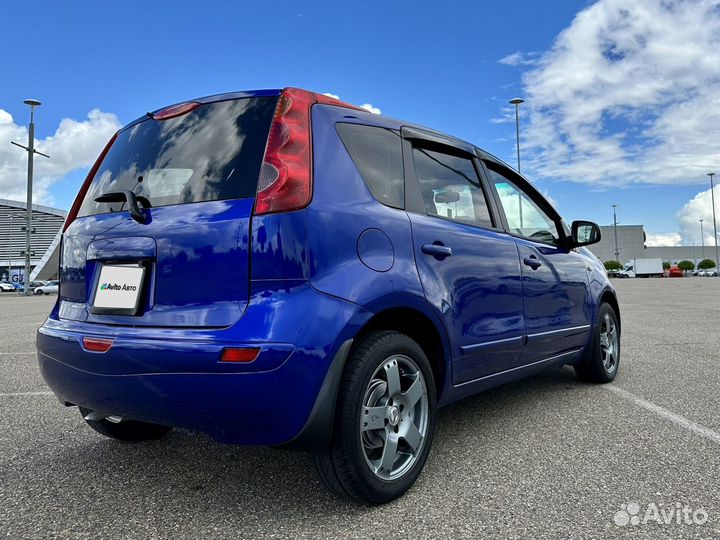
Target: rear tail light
{"points": [[97, 344], [244, 355], [285, 181], [86, 184]]}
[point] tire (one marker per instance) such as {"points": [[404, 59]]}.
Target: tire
{"points": [[39, 292], [601, 361], [357, 465], [125, 430]]}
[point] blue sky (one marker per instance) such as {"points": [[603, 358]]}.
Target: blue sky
{"points": [[435, 64]]}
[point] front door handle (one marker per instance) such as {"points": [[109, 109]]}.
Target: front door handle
{"points": [[438, 250], [532, 261]]}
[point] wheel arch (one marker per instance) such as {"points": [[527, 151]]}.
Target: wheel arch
{"points": [[609, 297], [406, 316], [419, 327]]}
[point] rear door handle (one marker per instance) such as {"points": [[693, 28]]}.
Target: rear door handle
{"points": [[437, 250], [532, 261]]}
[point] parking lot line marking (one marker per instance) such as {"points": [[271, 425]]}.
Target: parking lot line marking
{"points": [[21, 394], [665, 413]]}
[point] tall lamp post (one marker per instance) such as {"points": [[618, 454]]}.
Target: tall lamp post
{"points": [[517, 101], [30, 149], [617, 253], [712, 195], [702, 239]]}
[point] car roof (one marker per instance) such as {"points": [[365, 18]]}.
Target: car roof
{"points": [[225, 96], [272, 92]]}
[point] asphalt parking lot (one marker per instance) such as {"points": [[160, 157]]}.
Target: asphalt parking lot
{"points": [[547, 457]]}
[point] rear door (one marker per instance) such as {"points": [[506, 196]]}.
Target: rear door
{"points": [[469, 270], [188, 261], [557, 305]]}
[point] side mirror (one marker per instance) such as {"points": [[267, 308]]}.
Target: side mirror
{"points": [[584, 233]]}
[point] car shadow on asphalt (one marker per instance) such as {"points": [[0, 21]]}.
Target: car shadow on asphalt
{"points": [[194, 475]]}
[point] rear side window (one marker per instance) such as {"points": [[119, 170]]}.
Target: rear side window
{"points": [[377, 153], [450, 187], [212, 153]]}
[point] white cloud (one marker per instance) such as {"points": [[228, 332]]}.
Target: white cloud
{"points": [[74, 145], [370, 107], [507, 115], [520, 58], [628, 93], [699, 207], [549, 198], [663, 239], [334, 96]]}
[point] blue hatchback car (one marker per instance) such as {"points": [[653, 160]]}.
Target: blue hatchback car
{"points": [[278, 267]]}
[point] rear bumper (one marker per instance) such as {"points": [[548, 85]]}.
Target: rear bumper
{"points": [[239, 408], [176, 379]]}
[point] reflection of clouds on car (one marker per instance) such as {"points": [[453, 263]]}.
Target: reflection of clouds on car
{"points": [[200, 156]]}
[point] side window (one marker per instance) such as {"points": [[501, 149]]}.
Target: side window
{"points": [[523, 215], [450, 187], [377, 153]]}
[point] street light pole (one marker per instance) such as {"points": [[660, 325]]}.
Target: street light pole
{"points": [[702, 239], [617, 253], [30, 148], [712, 195], [517, 102]]}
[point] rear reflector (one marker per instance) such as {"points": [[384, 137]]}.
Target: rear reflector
{"points": [[239, 355], [97, 344], [175, 110]]}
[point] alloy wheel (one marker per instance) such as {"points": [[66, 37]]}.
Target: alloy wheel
{"points": [[609, 343], [394, 417]]}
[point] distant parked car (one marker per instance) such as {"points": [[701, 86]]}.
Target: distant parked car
{"points": [[33, 285], [6, 287], [674, 271], [711, 272], [48, 287]]}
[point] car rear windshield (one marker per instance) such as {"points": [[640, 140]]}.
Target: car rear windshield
{"points": [[212, 153]]}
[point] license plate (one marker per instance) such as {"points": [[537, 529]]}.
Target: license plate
{"points": [[118, 289]]}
